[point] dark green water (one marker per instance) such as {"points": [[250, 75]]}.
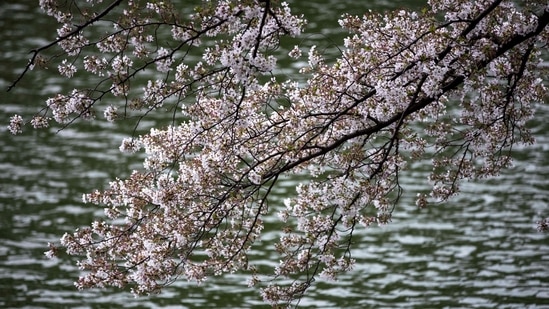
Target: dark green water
{"points": [[481, 250]]}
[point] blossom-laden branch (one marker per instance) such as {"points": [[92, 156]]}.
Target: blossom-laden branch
{"points": [[454, 84]]}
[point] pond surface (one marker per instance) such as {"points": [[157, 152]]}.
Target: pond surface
{"points": [[480, 250]]}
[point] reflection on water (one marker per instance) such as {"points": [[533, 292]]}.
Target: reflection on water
{"points": [[480, 250]]}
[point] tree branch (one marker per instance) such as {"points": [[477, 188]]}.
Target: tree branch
{"points": [[79, 28]]}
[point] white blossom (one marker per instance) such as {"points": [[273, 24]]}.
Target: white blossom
{"points": [[111, 113], [67, 69], [16, 122]]}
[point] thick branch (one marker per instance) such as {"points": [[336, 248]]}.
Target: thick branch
{"points": [[543, 21]]}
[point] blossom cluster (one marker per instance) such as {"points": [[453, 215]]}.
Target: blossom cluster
{"points": [[454, 84]]}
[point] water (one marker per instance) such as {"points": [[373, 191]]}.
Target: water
{"points": [[480, 250]]}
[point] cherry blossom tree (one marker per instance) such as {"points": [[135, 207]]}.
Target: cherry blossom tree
{"points": [[455, 84]]}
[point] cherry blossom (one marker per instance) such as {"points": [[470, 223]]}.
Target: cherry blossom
{"points": [[16, 122], [454, 84]]}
